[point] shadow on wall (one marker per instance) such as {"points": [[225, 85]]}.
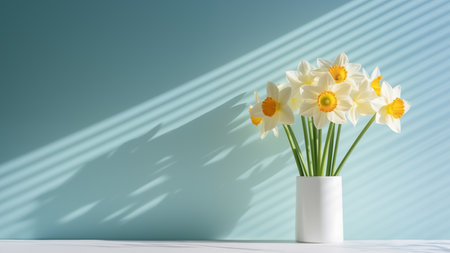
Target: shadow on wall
{"points": [[175, 186]]}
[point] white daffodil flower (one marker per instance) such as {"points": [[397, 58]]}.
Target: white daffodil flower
{"points": [[374, 79], [296, 97], [274, 109], [393, 107], [256, 121], [326, 101], [302, 76], [365, 101], [341, 69]]}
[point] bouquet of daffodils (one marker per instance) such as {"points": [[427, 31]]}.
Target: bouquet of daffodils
{"points": [[325, 95]]}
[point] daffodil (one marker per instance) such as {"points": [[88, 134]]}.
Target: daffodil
{"points": [[374, 79], [341, 69], [296, 97], [256, 121], [274, 109], [365, 101], [302, 76], [327, 95], [326, 102], [393, 107]]}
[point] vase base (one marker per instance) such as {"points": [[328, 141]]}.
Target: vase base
{"points": [[318, 242]]}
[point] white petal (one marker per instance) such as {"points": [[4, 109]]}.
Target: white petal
{"points": [[365, 94], [322, 63], [407, 106], [396, 92], [256, 111], [284, 95], [308, 107], [366, 75], [257, 100], [292, 77], [281, 86], [353, 67], [364, 86], [320, 120], [272, 91], [275, 131], [365, 108], [342, 89], [352, 82], [307, 79], [304, 67], [263, 133], [337, 117], [295, 92], [319, 72], [286, 115], [325, 81], [357, 76], [377, 103], [341, 59], [386, 92], [353, 115], [295, 101], [375, 73], [271, 122], [310, 92], [394, 124], [382, 116], [344, 103], [378, 118]]}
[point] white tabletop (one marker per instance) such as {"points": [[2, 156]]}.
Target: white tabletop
{"points": [[98, 246]]}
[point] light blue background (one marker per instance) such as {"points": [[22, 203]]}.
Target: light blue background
{"points": [[129, 120]]}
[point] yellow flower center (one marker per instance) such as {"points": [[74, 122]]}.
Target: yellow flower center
{"points": [[255, 120], [396, 108], [270, 106], [327, 101], [375, 84], [339, 73]]}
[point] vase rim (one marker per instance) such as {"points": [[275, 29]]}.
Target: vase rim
{"points": [[319, 176]]}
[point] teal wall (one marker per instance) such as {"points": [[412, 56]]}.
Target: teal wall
{"points": [[128, 120]]}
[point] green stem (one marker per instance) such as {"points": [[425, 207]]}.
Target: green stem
{"points": [[330, 153], [326, 147], [336, 145], [316, 151], [313, 145], [354, 144], [299, 151], [307, 146], [294, 152], [319, 150]]}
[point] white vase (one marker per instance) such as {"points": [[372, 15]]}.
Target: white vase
{"points": [[319, 210]]}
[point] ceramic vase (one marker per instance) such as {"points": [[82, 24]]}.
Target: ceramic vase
{"points": [[319, 210]]}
